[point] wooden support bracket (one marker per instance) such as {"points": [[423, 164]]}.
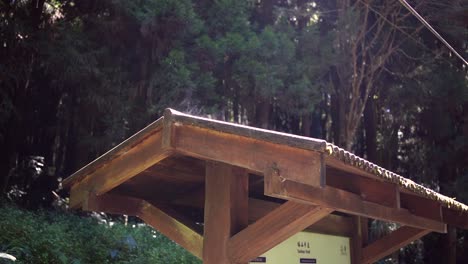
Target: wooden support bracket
{"points": [[391, 243], [171, 225], [173, 229], [272, 229]]}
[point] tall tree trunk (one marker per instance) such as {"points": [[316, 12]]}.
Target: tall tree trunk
{"points": [[447, 175], [262, 114], [306, 124], [370, 126], [449, 241]]}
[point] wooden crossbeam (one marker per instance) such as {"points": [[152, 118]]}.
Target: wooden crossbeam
{"points": [[226, 209], [331, 224], [421, 206], [253, 154], [391, 243], [455, 217], [147, 152], [384, 193], [372, 190], [346, 202], [272, 229]]}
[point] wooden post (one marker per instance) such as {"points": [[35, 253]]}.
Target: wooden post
{"points": [[357, 240], [226, 209]]}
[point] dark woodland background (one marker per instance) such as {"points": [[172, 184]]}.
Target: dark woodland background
{"points": [[78, 77]]}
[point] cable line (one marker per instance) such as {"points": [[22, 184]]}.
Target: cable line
{"points": [[428, 26]]}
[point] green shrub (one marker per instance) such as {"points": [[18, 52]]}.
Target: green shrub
{"points": [[57, 237]]}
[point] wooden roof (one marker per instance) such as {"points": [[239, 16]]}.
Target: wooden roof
{"points": [[164, 164]]}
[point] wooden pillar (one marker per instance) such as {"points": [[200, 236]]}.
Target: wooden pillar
{"points": [[357, 240], [226, 209]]}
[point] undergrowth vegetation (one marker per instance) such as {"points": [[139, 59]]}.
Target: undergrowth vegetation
{"points": [[57, 237]]}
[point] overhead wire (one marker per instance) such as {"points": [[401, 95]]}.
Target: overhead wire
{"points": [[430, 28], [408, 35]]}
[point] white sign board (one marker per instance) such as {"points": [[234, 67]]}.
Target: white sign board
{"points": [[306, 247]]}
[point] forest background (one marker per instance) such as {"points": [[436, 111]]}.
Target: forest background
{"points": [[78, 77]]}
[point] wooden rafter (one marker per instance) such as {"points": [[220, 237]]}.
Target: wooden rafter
{"points": [[345, 202], [143, 155], [391, 243], [272, 229]]}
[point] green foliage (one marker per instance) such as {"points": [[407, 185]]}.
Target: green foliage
{"points": [[78, 77], [57, 237]]}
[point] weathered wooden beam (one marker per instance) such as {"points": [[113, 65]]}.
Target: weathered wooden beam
{"points": [[372, 190], [358, 238], [455, 217], [117, 151], [390, 195], [421, 206], [177, 170], [272, 229], [226, 209], [145, 154], [250, 153], [346, 202], [172, 228], [331, 224], [391, 243]]}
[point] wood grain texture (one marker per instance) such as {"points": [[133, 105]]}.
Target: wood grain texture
{"points": [[371, 190], [255, 155], [390, 243], [272, 229], [115, 152], [455, 217], [334, 156], [330, 225], [358, 239], [346, 202], [274, 137], [137, 159], [172, 228], [421, 206], [226, 209]]}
